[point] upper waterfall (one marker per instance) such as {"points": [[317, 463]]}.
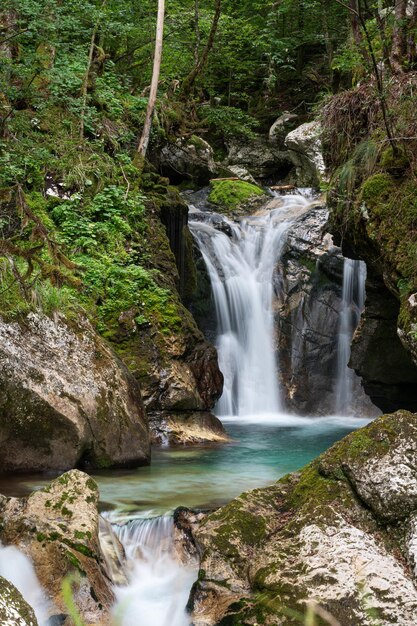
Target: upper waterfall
{"points": [[241, 265]]}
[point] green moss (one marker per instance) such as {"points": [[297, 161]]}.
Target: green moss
{"points": [[377, 189], [394, 163], [230, 194]]}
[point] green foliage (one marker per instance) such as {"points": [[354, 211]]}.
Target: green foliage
{"points": [[228, 122]]}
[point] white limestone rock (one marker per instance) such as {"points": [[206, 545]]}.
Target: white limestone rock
{"points": [[305, 150]]}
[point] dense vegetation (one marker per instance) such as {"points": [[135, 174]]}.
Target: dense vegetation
{"points": [[75, 81]]}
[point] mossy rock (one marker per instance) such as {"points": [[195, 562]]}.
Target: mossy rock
{"points": [[395, 163], [231, 195], [377, 189]]}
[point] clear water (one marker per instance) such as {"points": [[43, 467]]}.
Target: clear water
{"points": [[261, 451]]}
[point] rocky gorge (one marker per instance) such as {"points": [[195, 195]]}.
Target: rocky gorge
{"points": [[334, 541]]}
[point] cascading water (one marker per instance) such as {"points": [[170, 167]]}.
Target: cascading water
{"points": [[159, 584], [353, 302], [241, 267], [17, 568]]}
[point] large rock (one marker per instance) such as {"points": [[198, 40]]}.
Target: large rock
{"points": [[305, 150], [14, 611], [190, 159], [58, 528], [308, 301], [261, 158], [65, 399], [315, 539]]}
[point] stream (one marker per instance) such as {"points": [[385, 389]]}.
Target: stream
{"points": [[265, 443]]}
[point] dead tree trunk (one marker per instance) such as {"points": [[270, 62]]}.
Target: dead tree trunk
{"points": [[144, 140]]}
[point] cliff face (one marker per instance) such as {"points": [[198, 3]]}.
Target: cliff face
{"points": [[373, 217], [176, 366], [308, 304]]}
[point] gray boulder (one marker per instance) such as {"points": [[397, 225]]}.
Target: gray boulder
{"points": [[259, 157], [65, 399], [58, 529], [188, 159]]}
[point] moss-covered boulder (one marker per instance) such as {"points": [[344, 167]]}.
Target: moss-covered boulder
{"points": [[235, 196], [58, 528], [65, 399], [14, 610], [332, 540]]}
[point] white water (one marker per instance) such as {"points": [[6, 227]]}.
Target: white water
{"points": [[17, 568], [159, 584], [353, 302], [240, 268]]}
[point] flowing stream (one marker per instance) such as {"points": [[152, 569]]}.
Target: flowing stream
{"points": [[265, 443]]}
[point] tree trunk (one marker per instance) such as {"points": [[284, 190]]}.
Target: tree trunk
{"points": [[84, 87], [399, 36], [197, 69], [197, 33], [144, 140], [354, 23]]}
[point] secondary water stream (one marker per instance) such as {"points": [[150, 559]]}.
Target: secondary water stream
{"points": [[265, 443]]}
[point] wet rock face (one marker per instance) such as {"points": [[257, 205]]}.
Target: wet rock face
{"points": [[317, 534], [388, 372], [65, 399], [14, 611], [308, 287], [58, 528]]}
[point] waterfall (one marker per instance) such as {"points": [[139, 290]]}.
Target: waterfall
{"points": [[240, 267], [159, 584], [353, 302]]}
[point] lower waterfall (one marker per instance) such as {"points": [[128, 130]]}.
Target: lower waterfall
{"points": [[159, 583]]}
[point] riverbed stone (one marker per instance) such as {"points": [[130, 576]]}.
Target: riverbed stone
{"points": [[187, 428], [14, 610], [316, 537], [58, 529], [65, 399]]}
